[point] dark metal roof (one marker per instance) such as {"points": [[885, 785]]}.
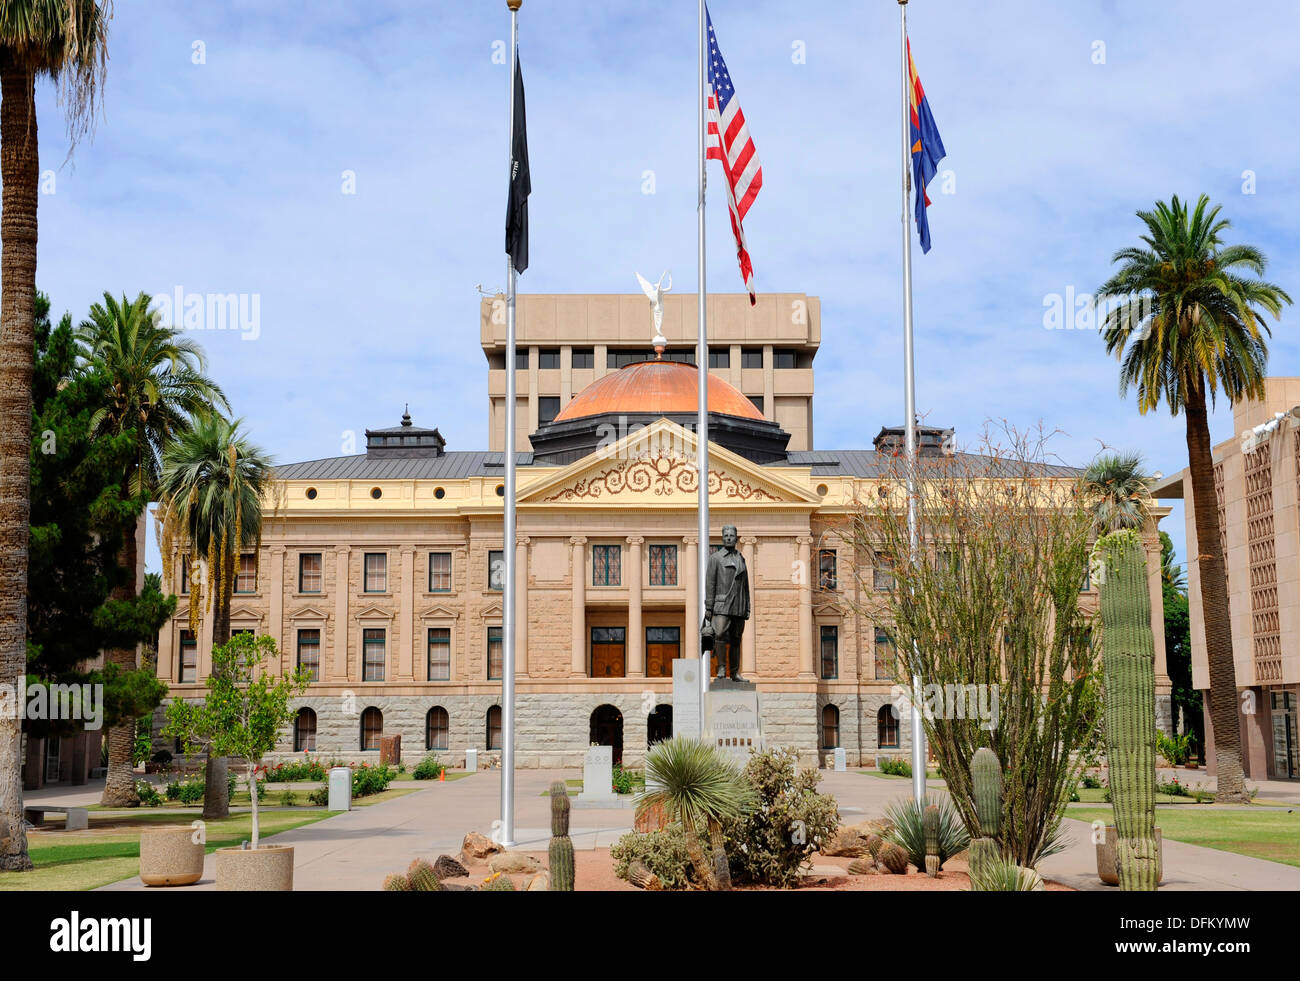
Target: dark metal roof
{"points": [[448, 466], [869, 463]]}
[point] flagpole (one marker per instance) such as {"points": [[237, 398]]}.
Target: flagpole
{"points": [[909, 400], [702, 359], [508, 522]]}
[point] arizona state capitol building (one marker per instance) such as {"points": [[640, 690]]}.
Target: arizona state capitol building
{"points": [[382, 572]]}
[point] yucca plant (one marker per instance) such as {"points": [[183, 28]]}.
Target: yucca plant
{"points": [[998, 874], [907, 816], [700, 788]]}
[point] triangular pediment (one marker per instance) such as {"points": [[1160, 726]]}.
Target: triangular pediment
{"points": [[374, 613], [490, 612], [309, 613], [439, 613], [655, 467]]}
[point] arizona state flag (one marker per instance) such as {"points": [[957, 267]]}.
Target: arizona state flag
{"points": [[927, 148], [521, 184]]}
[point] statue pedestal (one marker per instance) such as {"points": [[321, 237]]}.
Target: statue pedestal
{"points": [[731, 719]]}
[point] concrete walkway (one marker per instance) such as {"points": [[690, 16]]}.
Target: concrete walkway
{"points": [[357, 849]]}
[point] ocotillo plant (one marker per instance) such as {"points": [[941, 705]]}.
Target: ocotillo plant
{"points": [[1129, 665], [930, 822], [986, 781], [561, 848]]}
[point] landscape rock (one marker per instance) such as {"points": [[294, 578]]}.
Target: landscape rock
{"points": [[509, 863], [447, 867], [478, 846], [539, 883]]}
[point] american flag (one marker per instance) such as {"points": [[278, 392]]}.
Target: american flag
{"points": [[729, 141]]}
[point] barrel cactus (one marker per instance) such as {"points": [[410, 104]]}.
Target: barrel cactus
{"points": [[561, 848], [422, 877], [397, 883], [930, 824], [986, 784], [1129, 667], [894, 858]]}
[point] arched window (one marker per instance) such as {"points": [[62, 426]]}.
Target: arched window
{"points": [[887, 727], [494, 727], [830, 727], [436, 728], [372, 727], [304, 731]]}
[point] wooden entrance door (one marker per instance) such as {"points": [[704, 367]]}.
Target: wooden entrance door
{"points": [[662, 645], [608, 652]]}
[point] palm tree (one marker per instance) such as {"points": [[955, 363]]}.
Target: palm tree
{"points": [[155, 382], [66, 40], [212, 489], [1118, 491], [1202, 329], [697, 786]]}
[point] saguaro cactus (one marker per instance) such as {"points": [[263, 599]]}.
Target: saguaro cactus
{"points": [[561, 849], [986, 781], [930, 824], [1129, 666]]}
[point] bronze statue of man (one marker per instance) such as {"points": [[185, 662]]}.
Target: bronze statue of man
{"points": [[726, 603]]}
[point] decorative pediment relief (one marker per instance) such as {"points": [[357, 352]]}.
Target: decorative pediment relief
{"points": [[374, 613], [657, 466], [491, 612], [440, 613], [309, 613]]}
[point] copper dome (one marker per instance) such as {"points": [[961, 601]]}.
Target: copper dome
{"points": [[658, 387]]}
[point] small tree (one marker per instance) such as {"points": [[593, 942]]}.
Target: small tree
{"points": [[245, 709]]}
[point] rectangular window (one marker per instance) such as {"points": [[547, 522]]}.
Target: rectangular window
{"points": [[185, 574], [309, 572], [785, 359], [606, 562], [830, 652], [1087, 580], [548, 408], [548, 359], [757, 400], [826, 575], [309, 653], [884, 655], [374, 646], [751, 357], [720, 357], [681, 357], [440, 572], [584, 357], [495, 653], [497, 570], [663, 565], [189, 672], [521, 358], [246, 579], [882, 577], [439, 653], [376, 572]]}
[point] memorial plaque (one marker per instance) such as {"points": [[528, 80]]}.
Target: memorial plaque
{"points": [[598, 776], [732, 721], [686, 697]]}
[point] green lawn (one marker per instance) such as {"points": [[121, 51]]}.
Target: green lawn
{"points": [[1097, 795], [109, 849], [929, 775], [1271, 834]]}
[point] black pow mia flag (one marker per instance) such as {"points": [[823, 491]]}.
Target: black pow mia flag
{"points": [[521, 184]]}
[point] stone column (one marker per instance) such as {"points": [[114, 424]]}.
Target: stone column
{"points": [[521, 606], [690, 577], [275, 615], [805, 608], [748, 657], [578, 665], [342, 625], [406, 617], [635, 632]]}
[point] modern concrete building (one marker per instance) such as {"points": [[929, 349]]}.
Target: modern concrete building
{"points": [[381, 572], [1257, 479]]}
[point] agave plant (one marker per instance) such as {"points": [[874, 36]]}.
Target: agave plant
{"points": [[907, 817], [700, 788], [1002, 875]]}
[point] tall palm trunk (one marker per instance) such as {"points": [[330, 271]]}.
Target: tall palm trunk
{"points": [[216, 780], [19, 172], [1214, 603], [119, 788]]}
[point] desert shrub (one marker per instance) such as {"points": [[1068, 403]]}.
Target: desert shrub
{"points": [[627, 781], [320, 797], [148, 796], [1173, 788], [287, 799], [306, 769], [896, 768], [1091, 782], [908, 832], [428, 768], [663, 852], [367, 779], [1176, 750], [772, 843]]}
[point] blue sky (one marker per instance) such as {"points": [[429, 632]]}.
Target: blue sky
{"points": [[227, 176]]}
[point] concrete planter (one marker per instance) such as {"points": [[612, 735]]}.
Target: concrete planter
{"points": [[265, 869], [170, 857], [1106, 869]]}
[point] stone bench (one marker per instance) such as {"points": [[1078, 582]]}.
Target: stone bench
{"points": [[78, 818]]}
